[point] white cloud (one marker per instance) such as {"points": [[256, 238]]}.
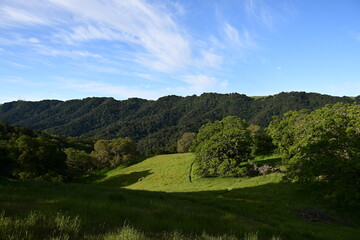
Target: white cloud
{"points": [[148, 31], [161, 43], [143, 33]]}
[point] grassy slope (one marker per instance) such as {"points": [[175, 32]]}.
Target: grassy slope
{"points": [[170, 173], [216, 206]]}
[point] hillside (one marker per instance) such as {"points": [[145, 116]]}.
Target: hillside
{"points": [[154, 124], [170, 173]]}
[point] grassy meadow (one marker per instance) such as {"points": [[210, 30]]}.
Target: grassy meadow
{"points": [[154, 199]]}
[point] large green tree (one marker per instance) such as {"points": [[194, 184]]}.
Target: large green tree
{"points": [[323, 148], [221, 147]]}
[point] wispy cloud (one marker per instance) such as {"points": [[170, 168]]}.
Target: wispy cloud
{"points": [[344, 89], [242, 40], [65, 53], [203, 83], [158, 41], [147, 31], [11, 16], [117, 91], [261, 12]]}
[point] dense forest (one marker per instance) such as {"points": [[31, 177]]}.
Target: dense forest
{"points": [[154, 125]]}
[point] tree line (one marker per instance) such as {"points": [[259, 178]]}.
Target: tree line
{"points": [[34, 155]]}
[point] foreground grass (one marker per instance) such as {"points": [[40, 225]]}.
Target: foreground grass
{"points": [[164, 204]]}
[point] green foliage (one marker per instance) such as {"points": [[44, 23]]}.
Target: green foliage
{"points": [[32, 155], [185, 142], [323, 148], [39, 157], [154, 124], [78, 162], [222, 146], [282, 129], [263, 144], [112, 153]]}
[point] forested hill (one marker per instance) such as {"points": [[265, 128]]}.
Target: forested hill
{"points": [[154, 124]]}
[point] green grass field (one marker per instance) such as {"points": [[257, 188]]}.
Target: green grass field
{"points": [[155, 199], [170, 173]]}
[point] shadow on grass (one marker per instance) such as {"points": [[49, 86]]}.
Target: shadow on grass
{"points": [[124, 180], [271, 209]]}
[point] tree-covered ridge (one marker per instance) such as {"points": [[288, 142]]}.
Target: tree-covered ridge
{"points": [[155, 124]]}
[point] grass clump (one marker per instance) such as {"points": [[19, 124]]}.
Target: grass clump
{"points": [[36, 225]]}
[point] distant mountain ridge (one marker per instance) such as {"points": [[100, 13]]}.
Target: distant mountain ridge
{"points": [[154, 124]]}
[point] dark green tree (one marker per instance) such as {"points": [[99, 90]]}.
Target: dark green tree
{"points": [[78, 162], [7, 161], [263, 144], [111, 153], [39, 157]]}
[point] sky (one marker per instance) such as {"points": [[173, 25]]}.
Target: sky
{"points": [[73, 49]]}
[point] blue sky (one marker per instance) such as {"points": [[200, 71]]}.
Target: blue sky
{"points": [[71, 49]]}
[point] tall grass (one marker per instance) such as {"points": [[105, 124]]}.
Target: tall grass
{"points": [[36, 225]]}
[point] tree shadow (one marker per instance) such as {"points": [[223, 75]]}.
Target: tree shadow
{"points": [[124, 180]]}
